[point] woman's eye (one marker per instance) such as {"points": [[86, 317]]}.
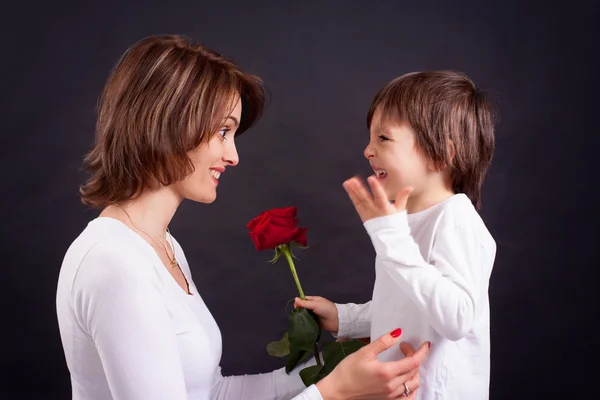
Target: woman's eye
{"points": [[223, 133]]}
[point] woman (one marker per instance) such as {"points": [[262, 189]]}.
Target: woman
{"points": [[132, 323]]}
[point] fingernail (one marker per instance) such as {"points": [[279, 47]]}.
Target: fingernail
{"points": [[396, 332], [429, 344]]}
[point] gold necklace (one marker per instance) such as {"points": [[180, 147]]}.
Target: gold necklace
{"points": [[173, 260]]}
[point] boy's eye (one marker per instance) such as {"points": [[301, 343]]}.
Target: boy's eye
{"points": [[383, 138]]}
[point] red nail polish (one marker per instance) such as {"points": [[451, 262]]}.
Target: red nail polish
{"points": [[429, 344], [396, 332]]}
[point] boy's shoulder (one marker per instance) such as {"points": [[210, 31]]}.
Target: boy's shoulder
{"points": [[459, 214], [459, 210], [456, 212]]}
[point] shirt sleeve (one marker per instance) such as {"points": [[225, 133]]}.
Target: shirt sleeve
{"points": [[447, 290], [276, 385], [354, 320], [119, 304]]}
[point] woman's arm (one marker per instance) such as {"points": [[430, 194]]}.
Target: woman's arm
{"points": [[360, 375], [120, 306]]}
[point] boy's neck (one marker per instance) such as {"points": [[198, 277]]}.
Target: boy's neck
{"points": [[427, 198], [436, 188]]}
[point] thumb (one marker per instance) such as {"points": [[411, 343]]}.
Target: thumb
{"points": [[383, 343], [298, 302], [402, 198]]}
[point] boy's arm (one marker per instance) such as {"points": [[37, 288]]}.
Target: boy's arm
{"points": [[448, 291], [354, 320]]}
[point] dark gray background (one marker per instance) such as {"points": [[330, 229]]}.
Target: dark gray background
{"points": [[323, 62]]}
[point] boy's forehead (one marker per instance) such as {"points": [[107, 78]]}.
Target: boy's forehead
{"points": [[385, 121]]}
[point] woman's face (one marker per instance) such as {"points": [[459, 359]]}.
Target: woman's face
{"points": [[211, 160]]}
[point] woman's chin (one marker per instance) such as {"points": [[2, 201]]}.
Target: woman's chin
{"points": [[205, 198]]}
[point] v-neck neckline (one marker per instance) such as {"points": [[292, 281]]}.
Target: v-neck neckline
{"points": [[156, 258]]}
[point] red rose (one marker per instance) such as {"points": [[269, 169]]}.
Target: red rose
{"points": [[276, 226]]}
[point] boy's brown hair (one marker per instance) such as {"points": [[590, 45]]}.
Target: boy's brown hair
{"points": [[165, 97], [453, 121]]}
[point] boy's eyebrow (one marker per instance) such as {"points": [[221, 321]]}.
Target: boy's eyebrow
{"points": [[382, 131]]}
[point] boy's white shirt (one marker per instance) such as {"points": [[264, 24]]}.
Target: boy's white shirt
{"points": [[432, 275]]}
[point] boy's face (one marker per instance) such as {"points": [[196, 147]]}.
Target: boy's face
{"points": [[393, 155]]}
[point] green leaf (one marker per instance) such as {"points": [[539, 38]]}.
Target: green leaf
{"points": [[296, 357], [315, 317], [309, 374], [280, 348], [334, 353], [304, 329], [288, 304]]}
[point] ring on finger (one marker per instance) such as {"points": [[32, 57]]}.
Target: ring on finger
{"points": [[406, 390]]}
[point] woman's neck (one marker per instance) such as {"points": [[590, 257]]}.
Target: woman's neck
{"points": [[151, 212]]}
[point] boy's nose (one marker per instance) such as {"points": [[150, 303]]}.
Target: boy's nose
{"points": [[369, 151]]}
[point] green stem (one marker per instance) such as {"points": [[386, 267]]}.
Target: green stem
{"points": [[288, 255]]}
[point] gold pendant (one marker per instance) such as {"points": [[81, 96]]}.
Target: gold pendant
{"points": [[174, 263]]}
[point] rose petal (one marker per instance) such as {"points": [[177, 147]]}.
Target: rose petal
{"points": [[290, 212], [257, 220], [258, 240], [300, 237], [275, 227], [285, 222]]}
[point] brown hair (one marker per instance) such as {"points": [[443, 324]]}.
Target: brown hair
{"points": [[165, 97], [453, 121]]}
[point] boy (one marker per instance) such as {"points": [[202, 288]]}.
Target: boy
{"points": [[431, 143]]}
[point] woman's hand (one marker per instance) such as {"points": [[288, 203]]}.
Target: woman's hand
{"points": [[362, 376]]}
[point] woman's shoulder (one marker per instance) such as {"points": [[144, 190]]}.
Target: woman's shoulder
{"points": [[106, 247]]}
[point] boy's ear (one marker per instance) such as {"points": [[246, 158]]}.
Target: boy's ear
{"points": [[434, 166], [452, 151]]}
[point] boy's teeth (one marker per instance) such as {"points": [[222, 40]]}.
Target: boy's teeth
{"points": [[380, 172], [215, 174]]}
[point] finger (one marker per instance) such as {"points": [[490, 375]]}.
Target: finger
{"points": [[406, 349], [398, 380], [411, 363], [412, 382], [383, 343], [353, 187], [381, 199], [413, 385], [402, 198], [358, 193], [298, 302]]}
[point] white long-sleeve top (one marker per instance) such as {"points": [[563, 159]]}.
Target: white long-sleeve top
{"points": [[432, 275], [130, 332]]}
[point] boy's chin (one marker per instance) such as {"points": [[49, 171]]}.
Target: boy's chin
{"points": [[388, 193]]}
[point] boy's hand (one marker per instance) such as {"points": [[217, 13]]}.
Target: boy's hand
{"points": [[325, 309], [377, 205]]}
